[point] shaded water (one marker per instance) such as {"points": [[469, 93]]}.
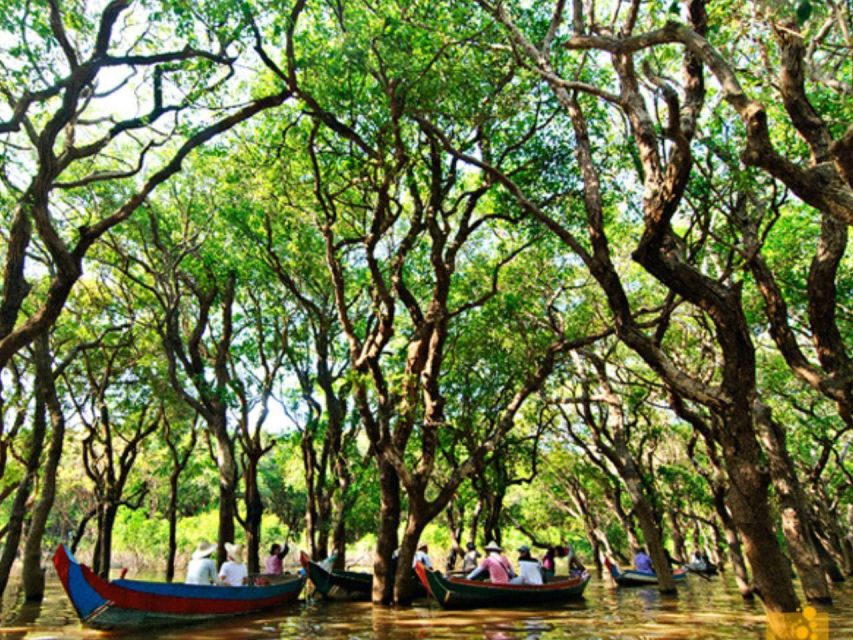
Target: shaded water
{"points": [[711, 610]]}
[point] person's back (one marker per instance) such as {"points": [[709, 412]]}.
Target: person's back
{"points": [[642, 562], [499, 568], [201, 568], [201, 571], [274, 562], [529, 571], [233, 572], [469, 562]]}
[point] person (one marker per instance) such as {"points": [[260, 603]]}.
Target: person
{"points": [[273, 564], [201, 569], [549, 563], [422, 556], [642, 561], [698, 561], [469, 562], [233, 572], [499, 568], [529, 569], [565, 550]]}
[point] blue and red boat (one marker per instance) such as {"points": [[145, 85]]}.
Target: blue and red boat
{"points": [[134, 604]]}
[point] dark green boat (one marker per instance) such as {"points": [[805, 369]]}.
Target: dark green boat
{"points": [[347, 585], [458, 592]]}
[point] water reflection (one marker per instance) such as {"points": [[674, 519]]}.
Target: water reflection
{"points": [[703, 610]]}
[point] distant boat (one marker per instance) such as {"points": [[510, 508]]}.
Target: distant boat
{"points": [[134, 604], [634, 578], [351, 585], [459, 592]]}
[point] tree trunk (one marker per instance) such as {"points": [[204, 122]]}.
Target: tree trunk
{"points": [[404, 579], [33, 573], [652, 534], [105, 539], [750, 510], [254, 516], [386, 543], [795, 516], [227, 484], [18, 511], [678, 540], [172, 515]]}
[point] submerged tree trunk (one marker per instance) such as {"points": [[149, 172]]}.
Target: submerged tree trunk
{"points": [[386, 543], [172, 515], [254, 516], [227, 484], [795, 515], [747, 500], [104, 548], [32, 572], [18, 511], [404, 578]]}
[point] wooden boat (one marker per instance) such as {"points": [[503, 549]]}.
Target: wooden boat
{"points": [[634, 578], [351, 585], [459, 592], [134, 604]]}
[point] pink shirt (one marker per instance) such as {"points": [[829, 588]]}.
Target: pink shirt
{"points": [[273, 565], [499, 568]]}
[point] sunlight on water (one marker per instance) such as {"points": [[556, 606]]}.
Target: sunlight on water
{"points": [[703, 610]]}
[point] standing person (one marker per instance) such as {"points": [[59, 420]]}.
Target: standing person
{"points": [[549, 563], [642, 561], [201, 568], [233, 572], [469, 562], [499, 568], [529, 569], [273, 564], [422, 556]]}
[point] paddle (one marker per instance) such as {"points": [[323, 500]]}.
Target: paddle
{"points": [[698, 573]]}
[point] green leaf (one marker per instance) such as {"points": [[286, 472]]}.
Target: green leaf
{"points": [[675, 7]]}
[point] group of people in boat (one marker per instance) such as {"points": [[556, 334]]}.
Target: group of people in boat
{"points": [[233, 572], [699, 562], [531, 571]]}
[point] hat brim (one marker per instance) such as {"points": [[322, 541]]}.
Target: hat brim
{"points": [[204, 552]]}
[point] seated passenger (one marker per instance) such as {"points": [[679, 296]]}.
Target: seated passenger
{"points": [[273, 564], [529, 570], [233, 572], [469, 562], [499, 568], [201, 569], [421, 555], [642, 561]]}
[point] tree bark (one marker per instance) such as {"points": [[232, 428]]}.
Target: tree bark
{"points": [[18, 511], [32, 572], [386, 542], [172, 516], [796, 523]]}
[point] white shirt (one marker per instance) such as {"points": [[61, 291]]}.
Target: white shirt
{"points": [[201, 571], [529, 572], [423, 558], [233, 573]]}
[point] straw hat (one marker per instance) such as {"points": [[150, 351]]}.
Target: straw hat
{"points": [[234, 551], [493, 546], [203, 550], [423, 546]]}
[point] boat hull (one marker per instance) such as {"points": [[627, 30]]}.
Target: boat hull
{"points": [[461, 593], [341, 585], [133, 604], [632, 578]]}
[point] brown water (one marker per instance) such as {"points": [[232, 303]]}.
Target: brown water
{"points": [[712, 610]]}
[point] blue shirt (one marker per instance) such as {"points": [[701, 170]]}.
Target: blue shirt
{"points": [[642, 562]]}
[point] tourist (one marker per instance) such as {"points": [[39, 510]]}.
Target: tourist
{"points": [[201, 568], [549, 563], [642, 561], [529, 569], [499, 568], [421, 555], [273, 564], [469, 562], [565, 550], [233, 572], [698, 561]]}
